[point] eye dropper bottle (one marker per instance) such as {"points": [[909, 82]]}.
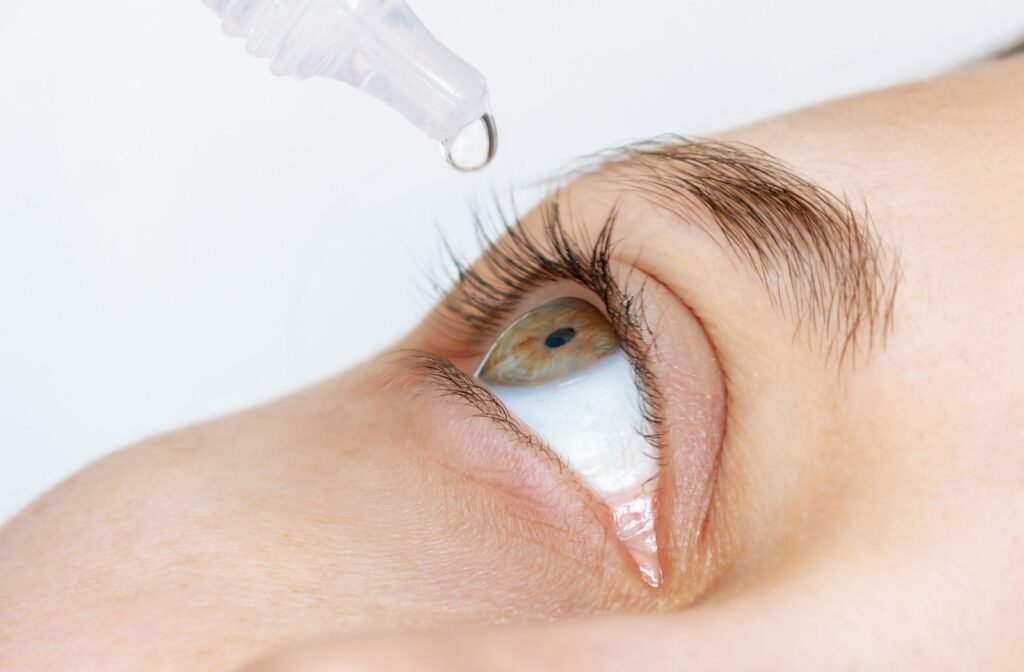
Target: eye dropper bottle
{"points": [[380, 47]]}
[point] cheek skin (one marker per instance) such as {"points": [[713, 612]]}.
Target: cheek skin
{"points": [[352, 504], [431, 537]]}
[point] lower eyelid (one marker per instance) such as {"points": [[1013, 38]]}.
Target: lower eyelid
{"points": [[513, 465]]}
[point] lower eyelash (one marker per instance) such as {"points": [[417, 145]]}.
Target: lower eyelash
{"points": [[449, 380]]}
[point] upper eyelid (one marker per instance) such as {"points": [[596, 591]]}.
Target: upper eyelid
{"points": [[822, 262]]}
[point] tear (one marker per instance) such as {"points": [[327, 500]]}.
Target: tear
{"points": [[633, 514]]}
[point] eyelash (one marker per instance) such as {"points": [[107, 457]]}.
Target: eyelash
{"points": [[516, 262]]}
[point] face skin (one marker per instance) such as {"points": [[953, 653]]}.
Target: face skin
{"points": [[843, 453]]}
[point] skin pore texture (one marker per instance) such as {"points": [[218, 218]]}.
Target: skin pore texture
{"points": [[842, 479]]}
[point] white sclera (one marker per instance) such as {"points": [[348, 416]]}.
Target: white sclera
{"points": [[594, 422]]}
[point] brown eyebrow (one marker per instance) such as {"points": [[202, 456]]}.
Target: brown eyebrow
{"points": [[821, 261]]}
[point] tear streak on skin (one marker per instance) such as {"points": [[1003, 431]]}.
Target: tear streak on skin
{"points": [[633, 514]]}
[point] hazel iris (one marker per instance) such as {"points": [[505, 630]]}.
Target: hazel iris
{"points": [[553, 341]]}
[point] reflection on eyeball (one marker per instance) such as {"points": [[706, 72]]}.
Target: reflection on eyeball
{"points": [[559, 369], [550, 342]]}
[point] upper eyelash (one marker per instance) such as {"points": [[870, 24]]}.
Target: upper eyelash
{"points": [[516, 262]]}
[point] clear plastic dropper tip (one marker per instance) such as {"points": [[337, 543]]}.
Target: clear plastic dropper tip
{"points": [[381, 48]]}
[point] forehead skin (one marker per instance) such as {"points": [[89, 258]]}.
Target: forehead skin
{"points": [[878, 510]]}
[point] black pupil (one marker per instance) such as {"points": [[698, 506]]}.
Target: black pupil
{"points": [[560, 337]]}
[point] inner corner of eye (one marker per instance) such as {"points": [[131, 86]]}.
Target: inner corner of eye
{"points": [[561, 371]]}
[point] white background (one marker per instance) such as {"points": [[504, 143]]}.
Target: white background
{"points": [[183, 235]]}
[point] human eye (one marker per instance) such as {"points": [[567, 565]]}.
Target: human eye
{"points": [[575, 351], [561, 371]]}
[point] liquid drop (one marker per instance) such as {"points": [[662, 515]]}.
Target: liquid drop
{"points": [[634, 522], [474, 146]]}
